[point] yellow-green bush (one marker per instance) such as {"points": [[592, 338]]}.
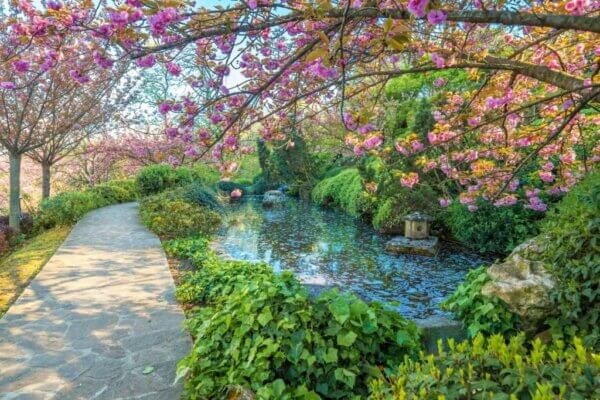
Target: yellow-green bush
{"points": [[170, 216], [496, 370], [68, 207]]}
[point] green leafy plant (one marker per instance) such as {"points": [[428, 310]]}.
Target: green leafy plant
{"points": [[571, 239], [494, 369], [261, 332], [492, 229], [115, 192], [479, 313], [171, 217]]}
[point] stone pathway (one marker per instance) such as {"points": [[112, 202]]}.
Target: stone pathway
{"points": [[99, 321]]}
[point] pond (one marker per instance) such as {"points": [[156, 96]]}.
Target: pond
{"points": [[329, 248]]}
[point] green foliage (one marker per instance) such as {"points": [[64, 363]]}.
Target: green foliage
{"points": [[343, 190], [200, 194], [195, 249], [294, 166], [571, 239], [492, 229], [116, 191], [395, 201], [205, 173], [159, 177], [170, 216], [68, 207], [249, 169], [493, 369], [262, 332], [479, 313]]}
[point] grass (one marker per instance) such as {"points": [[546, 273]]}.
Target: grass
{"points": [[18, 268]]}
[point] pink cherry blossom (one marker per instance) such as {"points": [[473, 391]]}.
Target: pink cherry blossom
{"points": [[409, 180], [173, 68], [436, 17], [417, 7], [8, 85], [438, 60], [373, 142], [21, 66], [146, 61]]}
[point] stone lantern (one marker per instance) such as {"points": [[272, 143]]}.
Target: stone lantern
{"points": [[416, 239], [416, 225]]}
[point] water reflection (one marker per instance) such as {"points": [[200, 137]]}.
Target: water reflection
{"points": [[325, 247]]}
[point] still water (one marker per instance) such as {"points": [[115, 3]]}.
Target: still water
{"points": [[329, 248]]}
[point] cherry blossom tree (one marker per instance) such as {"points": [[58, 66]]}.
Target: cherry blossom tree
{"points": [[535, 65], [90, 110]]}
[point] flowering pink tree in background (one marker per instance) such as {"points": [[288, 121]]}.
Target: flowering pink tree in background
{"points": [[535, 63], [88, 111]]}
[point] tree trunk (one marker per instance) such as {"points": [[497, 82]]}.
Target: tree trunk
{"points": [[14, 216], [45, 180]]}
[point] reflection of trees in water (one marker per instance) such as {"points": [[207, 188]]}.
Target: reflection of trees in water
{"points": [[309, 240], [299, 233], [289, 233]]}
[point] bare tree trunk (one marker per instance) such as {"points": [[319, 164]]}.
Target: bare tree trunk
{"points": [[45, 180], [14, 216]]}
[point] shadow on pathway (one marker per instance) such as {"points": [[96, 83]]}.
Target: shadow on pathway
{"points": [[100, 314]]}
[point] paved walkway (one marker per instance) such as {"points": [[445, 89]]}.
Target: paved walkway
{"points": [[99, 321]]}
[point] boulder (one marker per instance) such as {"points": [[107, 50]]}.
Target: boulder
{"points": [[524, 284], [272, 198]]}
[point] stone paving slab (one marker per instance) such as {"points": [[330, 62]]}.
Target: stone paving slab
{"points": [[96, 317]]}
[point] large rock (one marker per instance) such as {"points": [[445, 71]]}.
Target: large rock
{"points": [[272, 198], [403, 245], [525, 285]]}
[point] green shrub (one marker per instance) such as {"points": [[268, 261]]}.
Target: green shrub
{"points": [[205, 173], [493, 369], [157, 178], [113, 193], [262, 332], [68, 207], [571, 239], [479, 313], [200, 194], [229, 186], [129, 186], [343, 190], [169, 216], [492, 229], [397, 202]]}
